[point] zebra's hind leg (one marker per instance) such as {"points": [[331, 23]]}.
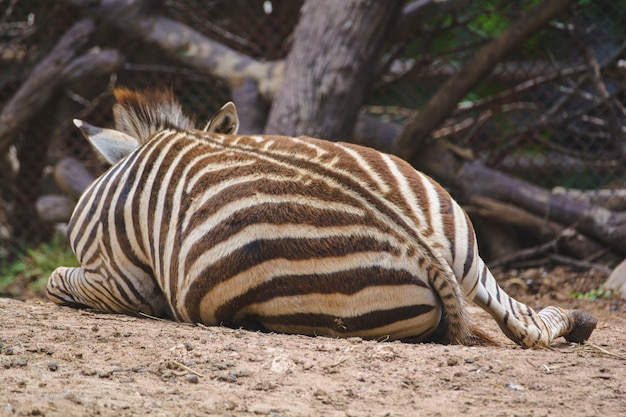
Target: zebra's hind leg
{"points": [[78, 287], [524, 325]]}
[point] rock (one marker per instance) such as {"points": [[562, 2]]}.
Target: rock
{"points": [[72, 177], [617, 279], [54, 208]]}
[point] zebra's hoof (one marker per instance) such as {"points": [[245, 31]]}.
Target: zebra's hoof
{"points": [[583, 326]]}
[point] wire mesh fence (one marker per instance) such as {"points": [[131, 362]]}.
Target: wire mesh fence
{"points": [[552, 112]]}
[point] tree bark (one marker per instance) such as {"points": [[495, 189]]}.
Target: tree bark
{"points": [[410, 141], [336, 48]]}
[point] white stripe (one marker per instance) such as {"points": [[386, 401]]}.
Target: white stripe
{"points": [[264, 272], [368, 300], [269, 231], [382, 185], [408, 195]]}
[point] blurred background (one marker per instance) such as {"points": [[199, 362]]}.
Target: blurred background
{"points": [[550, 114]]}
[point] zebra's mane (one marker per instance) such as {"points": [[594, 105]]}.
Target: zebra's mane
{"points": [[141, 114]]}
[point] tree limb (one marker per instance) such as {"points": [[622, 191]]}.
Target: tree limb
{"points": [[187, 46], [443, 102], [42, 83], [602, 224]]}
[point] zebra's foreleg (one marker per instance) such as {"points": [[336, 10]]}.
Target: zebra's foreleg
{"points": [[77, 287], [65, 287]]}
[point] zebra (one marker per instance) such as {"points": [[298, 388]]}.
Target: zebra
{"points": [[281, 234]]}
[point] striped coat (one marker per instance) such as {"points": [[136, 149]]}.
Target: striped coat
{"points": [[294, 235]]}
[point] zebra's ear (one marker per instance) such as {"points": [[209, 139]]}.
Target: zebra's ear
{"points": [[225, 121], [111, 144]]}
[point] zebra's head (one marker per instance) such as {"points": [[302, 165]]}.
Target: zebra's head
{"points": [[139, 115]]}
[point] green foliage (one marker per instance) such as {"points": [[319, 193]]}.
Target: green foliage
{"points": [[29, 273], [595, 294]]}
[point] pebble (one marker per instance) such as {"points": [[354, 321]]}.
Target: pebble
{"points": [[104, 374], [452, 361], [191, 378], [53, 366]]}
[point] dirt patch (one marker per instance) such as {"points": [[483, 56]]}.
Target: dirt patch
{"points": [[58, 361]]}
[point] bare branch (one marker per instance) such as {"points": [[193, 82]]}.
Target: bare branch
{"points": [[446, 98], [62, 65]]}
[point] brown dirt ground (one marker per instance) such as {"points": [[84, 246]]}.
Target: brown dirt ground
{"points": [[58, 361]]}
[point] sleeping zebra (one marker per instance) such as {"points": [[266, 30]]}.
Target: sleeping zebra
{"points": [[283, 234]]}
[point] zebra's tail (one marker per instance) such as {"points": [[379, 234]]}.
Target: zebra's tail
{"points": [[455, 326], [143, 113]]}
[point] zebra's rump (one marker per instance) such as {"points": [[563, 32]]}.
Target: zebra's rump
{"points": [[344, 304]]}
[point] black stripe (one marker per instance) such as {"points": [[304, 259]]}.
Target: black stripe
{"points": [[377, 201], [281, 214], [512, 308], [342, 282], [531, 314], [446, 211], [258, 251], [476, 281], [120, 228], [483, 276], [112, 175], [469, 260], [363, 322], [156, 189]]}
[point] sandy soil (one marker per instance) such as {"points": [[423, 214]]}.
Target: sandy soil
{"points": [[58, 361]]}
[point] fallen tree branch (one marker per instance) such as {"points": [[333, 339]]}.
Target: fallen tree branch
{"points": [[566, 260], [602, 224], [42, 83], [526, 254], [550, 249], [612, 199], [568, 239], [187, 46], [504, 213]]}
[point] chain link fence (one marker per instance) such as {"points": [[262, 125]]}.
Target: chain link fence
{"points": [[551, 113]]}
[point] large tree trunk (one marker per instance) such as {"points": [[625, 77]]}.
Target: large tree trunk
{"points": [[333, 58]]}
